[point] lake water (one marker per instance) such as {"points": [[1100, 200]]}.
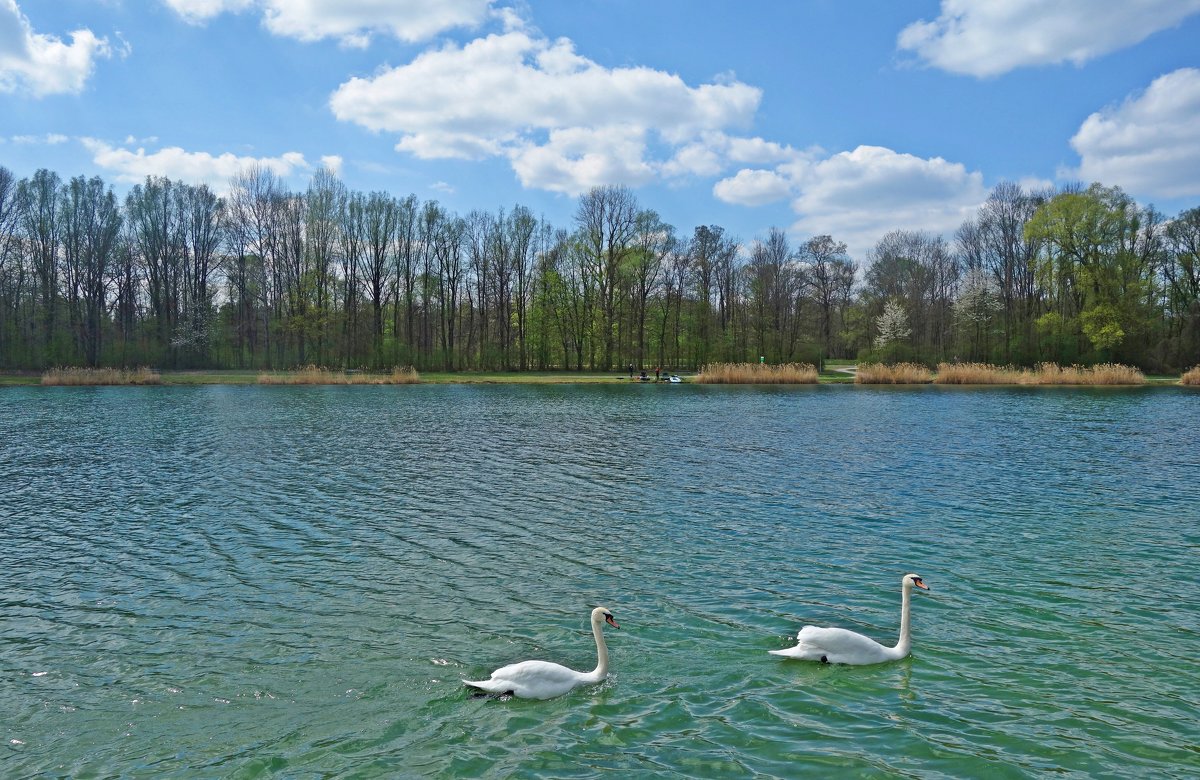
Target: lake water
{"points": [[293, 581]]}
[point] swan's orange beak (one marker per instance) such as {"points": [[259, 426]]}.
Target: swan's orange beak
{"points": [[609, 619], [920, 584]]}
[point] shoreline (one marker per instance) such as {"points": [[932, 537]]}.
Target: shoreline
{"points": [[832, 376]]}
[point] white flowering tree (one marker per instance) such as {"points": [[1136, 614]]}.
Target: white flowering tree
{"points": [[892, 325], [975, 309]]}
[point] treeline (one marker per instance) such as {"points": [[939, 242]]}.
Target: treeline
{"points": [[173, 276]]}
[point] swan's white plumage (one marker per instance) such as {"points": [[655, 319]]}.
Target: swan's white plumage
{"points": [[842, 646], [545, 680]]}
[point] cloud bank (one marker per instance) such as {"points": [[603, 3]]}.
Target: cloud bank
{"points": [[134, 165], [565, 122], [859, 195], [350, 22], [1149, 144], [987, 38], [39, 65]]}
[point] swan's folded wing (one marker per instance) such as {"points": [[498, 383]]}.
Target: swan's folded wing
{"points": [[536, 673], [534, 680], [800, 650], [495, 685], [836, 641]]}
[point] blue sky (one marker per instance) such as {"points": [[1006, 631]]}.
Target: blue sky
{"points": [[821, 116]]}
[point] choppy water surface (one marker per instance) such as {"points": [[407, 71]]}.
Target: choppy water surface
{"points": [[247, 582]]}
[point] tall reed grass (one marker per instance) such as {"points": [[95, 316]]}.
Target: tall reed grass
{"points": [[1043, 374], [1191, 377], [892, 374], [71, 375], [757, 374], [315, 375], [975, 374]]}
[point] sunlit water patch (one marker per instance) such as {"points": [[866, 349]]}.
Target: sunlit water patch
{"points": [[293, 581]]}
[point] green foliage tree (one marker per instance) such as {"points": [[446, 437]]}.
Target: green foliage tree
{"points": [[172, 275]]}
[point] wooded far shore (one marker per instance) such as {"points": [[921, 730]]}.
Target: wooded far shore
{"points": [[833, 372]]}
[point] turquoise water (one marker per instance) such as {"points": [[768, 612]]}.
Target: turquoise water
{"points": [[252, 582]]}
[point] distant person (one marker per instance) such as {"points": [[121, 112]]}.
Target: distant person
{"points": [[631, 370], [657, 373]]}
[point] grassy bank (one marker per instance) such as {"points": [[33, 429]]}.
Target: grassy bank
{"points": [[864, 374], [313, 375], [525, 378], [101, 376]]}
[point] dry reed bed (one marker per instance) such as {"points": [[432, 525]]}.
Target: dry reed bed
{"points": [[1191, 377], [892, 374], [313, 375], [757, 374], [1044, 374], [68, 375]]}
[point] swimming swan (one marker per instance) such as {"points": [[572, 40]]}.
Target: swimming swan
{"points": [[841, 646], [544, 680]]}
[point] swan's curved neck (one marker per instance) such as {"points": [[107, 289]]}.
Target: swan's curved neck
{"points": [[905, 636], [601, 670]]}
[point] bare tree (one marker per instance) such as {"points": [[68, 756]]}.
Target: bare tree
{"points": [[478, 238], [203, 216], [92, 225], [1182, 273], [829, 272], [380, 220], [710, 258], [607, 220], [773, 295], [448, 250], [254, 201], [325, 201], [654, 241], [1011, 257], [406, 253], [10, 282], [38, 206], [9, 215], [522, 228]]}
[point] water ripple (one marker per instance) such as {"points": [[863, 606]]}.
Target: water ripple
{"points": [[242, 582]]}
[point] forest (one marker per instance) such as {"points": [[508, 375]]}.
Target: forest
{"points": [[173, 276]]}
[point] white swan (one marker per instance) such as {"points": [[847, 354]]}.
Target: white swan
{"points": [[841, 646], [545, 680]]}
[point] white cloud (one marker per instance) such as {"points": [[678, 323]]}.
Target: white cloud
{"points": [[575, 159], [756, 151], [1149, 144], [695, 159], [753, 187], [199, 11], [49, 139], [350, 21], [564, 121], [858, 196], [333, 162], [988, 38], [133, 166], [42, 64], [712, 152]]}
